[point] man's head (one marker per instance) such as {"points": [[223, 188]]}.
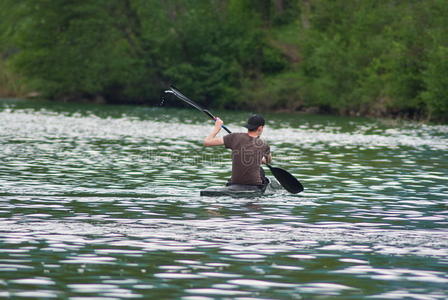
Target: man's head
{"points": [[255, 124]]}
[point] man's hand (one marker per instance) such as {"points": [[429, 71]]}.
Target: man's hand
{"points": [[218, 123], [266, 159]]}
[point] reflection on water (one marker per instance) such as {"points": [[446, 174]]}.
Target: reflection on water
{"points": [[104, 202]]}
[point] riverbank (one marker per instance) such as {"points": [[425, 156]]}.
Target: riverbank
{"points": [[382, 116]]}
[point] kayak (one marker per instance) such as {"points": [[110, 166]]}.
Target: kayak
{"points": [[240, 190]]}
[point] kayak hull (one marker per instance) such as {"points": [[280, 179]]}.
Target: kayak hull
{"points": [[235, 190]]}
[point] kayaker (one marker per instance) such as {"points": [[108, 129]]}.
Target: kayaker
{"points": [[249, 151]]}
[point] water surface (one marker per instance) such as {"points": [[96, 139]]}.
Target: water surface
{"points": [[103, 201]]}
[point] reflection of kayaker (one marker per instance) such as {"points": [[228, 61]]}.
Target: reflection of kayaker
{"points": [[249, 151]]}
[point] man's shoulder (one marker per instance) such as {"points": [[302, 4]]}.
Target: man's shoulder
{"points": [[235, 135], [236, 139], [230, 139], [240, 134], [261, 142]]}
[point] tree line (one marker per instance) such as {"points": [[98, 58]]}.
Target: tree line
{"points": [[355, 57]]}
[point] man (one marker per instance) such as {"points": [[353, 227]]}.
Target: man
{"points": [[248, 151]]}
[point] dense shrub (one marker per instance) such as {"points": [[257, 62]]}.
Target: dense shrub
{"points": [[348, 57]]}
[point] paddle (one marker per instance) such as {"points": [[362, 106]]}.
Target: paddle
{"points": [[286, 179], [289, 182], [184, 98]]}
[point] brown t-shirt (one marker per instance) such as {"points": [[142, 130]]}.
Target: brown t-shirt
{"points": [[247, 153]]}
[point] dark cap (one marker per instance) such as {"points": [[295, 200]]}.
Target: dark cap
{"points": [[254, 122]]}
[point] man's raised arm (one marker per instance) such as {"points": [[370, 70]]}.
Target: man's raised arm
{"points": [[211, 139]]}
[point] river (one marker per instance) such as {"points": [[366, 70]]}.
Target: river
{"points": [[103, 202]]}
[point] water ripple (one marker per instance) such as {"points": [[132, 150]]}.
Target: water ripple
{"points": [[104, 203]]}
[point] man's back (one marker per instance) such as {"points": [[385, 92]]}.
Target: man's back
{"points": [[247, 155]]}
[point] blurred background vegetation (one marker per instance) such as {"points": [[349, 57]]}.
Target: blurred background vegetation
{"points": [[351, 57]]}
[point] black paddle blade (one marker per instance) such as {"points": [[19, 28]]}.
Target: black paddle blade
{"points": [[289, 182]]}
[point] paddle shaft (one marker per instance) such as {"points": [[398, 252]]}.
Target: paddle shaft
{"points": [[214, 118], [175, 92]]}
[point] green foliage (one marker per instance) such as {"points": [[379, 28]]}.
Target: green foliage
{"points": [[376, 57], [280, 91], [80, 49], [208, 54], [348, 57], [436, 80], [10, 84]]}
